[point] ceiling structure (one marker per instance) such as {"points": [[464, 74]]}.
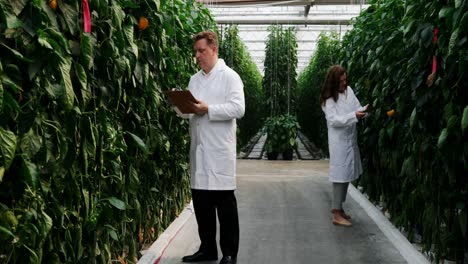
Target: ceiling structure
{"points": [[301, 18], [308, 17], [282, 2]]}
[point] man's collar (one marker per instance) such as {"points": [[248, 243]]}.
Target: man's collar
{"points": [[218, 65]]}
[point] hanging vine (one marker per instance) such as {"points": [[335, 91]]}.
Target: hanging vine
{"points": [[235, 53], [93, 160], [415, 139], [279, 81]]}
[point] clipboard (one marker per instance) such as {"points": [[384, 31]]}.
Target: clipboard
{"points": [[183, 100]]}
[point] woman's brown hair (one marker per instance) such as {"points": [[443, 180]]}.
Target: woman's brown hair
{"points": [[332, 84]]}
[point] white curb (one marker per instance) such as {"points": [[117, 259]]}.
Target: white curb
{"points": [[406, 249], [154, 253]]}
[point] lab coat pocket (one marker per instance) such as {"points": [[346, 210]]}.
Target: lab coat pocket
{"points": [[341, 155], [221, 162]]}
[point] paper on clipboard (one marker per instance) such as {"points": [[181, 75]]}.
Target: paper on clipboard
{"points": [[183, 100], [363, 108]]}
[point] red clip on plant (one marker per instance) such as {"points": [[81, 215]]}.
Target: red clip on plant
{"points": [[431, 77]]}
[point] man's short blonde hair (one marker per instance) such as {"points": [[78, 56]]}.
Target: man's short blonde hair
{"points": [[210, 36]]}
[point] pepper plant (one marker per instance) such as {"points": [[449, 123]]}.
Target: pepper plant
{"points": [[236, 56], [279, 81], [414, 144], [93, 161], [279, 85]]}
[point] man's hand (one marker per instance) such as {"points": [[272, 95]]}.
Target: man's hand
{"points": [[200, 107]]}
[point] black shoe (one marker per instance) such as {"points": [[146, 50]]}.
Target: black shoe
{"points": [[228, 260], [200, 256]]}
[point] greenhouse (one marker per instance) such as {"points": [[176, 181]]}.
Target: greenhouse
{"points": [[234, 131]]}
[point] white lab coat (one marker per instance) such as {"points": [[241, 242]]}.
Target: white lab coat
{"points": [[213, 135], [345, 160]]}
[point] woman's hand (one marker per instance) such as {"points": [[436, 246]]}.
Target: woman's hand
{"points": [[360, 114]]}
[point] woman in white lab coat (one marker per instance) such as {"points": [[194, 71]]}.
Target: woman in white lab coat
{"points": [[342, 111]]}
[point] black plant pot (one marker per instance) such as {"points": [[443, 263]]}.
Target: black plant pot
{"points": [[288, 154], [272, 155]]}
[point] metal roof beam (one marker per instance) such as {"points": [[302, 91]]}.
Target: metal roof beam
{"points": [[306, 10], [282, 2], [284, 21]]}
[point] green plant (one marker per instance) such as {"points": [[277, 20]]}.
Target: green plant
{"points": [[423, 180], [279, 81], [93, 161], [282, 133], [236, 56]]}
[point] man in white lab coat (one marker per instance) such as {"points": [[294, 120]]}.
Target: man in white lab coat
{"points": [[342, 111], [220, 101]]}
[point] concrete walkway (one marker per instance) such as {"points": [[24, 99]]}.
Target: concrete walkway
{"points": [[284, 213]]}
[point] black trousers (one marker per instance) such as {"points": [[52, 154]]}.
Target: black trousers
{"points": [[206, 203]]}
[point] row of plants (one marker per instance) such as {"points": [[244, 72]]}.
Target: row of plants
{"points": [[279, 85], [236, 56], [93, 161], [414, 144], [279, 81], [282, 133], [309, 85]]}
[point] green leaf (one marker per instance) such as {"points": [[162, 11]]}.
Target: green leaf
{"points": [[408, 168], [117, 203], [30, 174], [139, 142], [445, 12], [128, 31], [57, 40], [117, 16], [464, 23], [87, 50], [70, 14], [167, 145], [2, 173], [43, 41], [1, 96], [69, 94], [5, 234], [442, 138], [453, 40], [426, 35], [46, 224], [408, 27], [83, 80], [113, 234], [158, 4], [7, 146], [44, 5], [90, 143], [413, 118], [18, 6], [30, 143], [13, 22], [54, 90], [464, 120], [10, 83], [458, 3], [452, 122], [16, 53]]}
